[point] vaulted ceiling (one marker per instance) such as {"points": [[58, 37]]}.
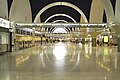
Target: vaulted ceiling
{"points": [[83, 11], [84, 5]]}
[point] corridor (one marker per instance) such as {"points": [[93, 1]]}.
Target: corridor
{"points": [[61, 61]]}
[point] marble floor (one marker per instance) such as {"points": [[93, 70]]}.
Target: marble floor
{"points": [[62, 61]]}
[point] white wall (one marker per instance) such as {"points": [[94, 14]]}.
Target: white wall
{"points": [[3, 9]]}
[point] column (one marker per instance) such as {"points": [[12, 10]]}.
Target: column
{"points": [[118, 42], [83, 37], [12, 36], [94, 42], [116, 28], [33, 37], [10, 41], [94, 35], [41, 39], [83, 40]]}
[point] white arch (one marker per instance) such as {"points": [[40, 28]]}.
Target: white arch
{"points": [[20, 11], [63, 4], [117, 12], [109, 10], [95, 14], [60, 15], [60, 21]]}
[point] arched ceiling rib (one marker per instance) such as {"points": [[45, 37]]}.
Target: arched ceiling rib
{"points": [[95, 14], [37, 5], [64, 21], [57, 21], [69, 29], [60, 10], [117, 12], [84, 5], [55, 15], [63, 4], [3, 9], [65, 15], [109, 10], [20, 11]]}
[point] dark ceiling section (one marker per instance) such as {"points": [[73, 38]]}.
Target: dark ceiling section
{"points": [[113, 4], [84, 5], [9, 5], [60, 10], [104, 17], [37, 5]]}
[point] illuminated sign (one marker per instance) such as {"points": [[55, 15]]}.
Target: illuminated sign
{"points": [[4, 23], [105, 38]]}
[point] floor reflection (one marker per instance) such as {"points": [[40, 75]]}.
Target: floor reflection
{"points": [[57, 61], [59, 51]]}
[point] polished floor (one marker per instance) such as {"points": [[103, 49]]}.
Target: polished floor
{"points": [[62, 61]]}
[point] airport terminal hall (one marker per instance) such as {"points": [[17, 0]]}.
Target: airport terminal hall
{"points": [[59, 39]]}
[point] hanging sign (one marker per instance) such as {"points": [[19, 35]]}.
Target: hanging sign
{"points": [[4, 23]]}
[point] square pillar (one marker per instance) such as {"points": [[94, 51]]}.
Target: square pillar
{"points": [[94, 42], [12, 36], [41, 39]]}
